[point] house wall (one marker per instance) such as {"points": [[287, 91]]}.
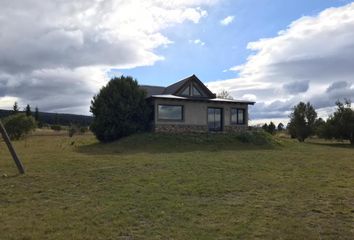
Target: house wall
{"points": [[195, 116]]}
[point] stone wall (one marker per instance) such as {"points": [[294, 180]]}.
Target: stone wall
{"points": [[235, 128], [177, 128]]}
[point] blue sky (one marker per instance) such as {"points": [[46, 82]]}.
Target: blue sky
{"points": [[57, 54], [225, 46]]}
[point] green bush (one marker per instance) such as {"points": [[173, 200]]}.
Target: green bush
{"points": [[83, 130], [19, 125], [56, 127], [119, 109], [255, 137], [73, 129]]}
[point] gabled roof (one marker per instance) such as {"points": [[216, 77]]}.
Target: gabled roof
{"points": [[173, 92], [176, 87], [152, 90]]}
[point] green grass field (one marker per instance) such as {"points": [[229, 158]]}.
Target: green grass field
{"points": [[176, 187]]}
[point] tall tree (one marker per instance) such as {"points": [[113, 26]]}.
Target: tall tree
{"points": [[28, 110], [15, 108], [36, 114], [280, 127], [271, 128], [302, 121]]}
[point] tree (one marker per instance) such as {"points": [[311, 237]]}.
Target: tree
{"points": [[319, 127], [224, 95], [265, 127], [15, 108], [36, 114], [341, 124], [119, 109], [302, 121], [28, 110], [280, 127], [19, 125], [271, 128]]}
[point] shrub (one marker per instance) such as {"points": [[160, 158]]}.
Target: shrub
{"points": [[83, 130], [19, 125], [56, 127], [119, 109], [73, 129], [255, 137]]}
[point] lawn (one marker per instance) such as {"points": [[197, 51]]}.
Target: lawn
{"points": [[176, 187]]}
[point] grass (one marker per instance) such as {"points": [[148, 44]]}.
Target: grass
{"points": [[177, 187]]}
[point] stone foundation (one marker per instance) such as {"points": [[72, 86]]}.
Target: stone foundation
{"points": [[235, 128], [179, 128]]}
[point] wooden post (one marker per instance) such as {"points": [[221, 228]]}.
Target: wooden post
{"points": [[7, 140]]}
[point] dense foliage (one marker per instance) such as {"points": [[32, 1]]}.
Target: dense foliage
{"points": [[269, 128], [119, 109], [280, 127], [56, 127], [302, 121], [19, 125], [340, 125]]}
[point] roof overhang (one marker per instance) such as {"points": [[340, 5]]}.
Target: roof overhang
{"points": [[211, 100]]}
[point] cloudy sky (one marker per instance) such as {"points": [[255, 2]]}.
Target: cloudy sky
{"points": [[57, 54]]}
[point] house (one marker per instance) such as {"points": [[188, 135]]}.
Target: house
{"points": [[189, 106]]}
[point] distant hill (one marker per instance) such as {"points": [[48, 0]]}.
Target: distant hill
{"points": [[57, 118]]}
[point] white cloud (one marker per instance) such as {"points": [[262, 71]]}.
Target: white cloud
{"points": [[197, 42], [54, 52], [228, 20], [299, 64]]}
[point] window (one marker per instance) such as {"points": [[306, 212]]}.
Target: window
{"points": [[215, 119], [192, 90], [237, 116], [186, 91], [170, 112], [196, 92]]}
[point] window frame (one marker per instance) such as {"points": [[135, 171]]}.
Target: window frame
{"points": [[222, 123], [193, 86], [238, 122], [170, 120]]}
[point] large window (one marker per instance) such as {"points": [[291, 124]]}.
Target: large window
{"points": [[215, 119], [192, 90], [237, 116], [170, 112]]}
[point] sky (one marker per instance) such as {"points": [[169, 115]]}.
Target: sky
{"points": [[57, 54]]}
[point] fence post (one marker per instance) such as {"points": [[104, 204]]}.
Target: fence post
{"points": [[7, 140]]}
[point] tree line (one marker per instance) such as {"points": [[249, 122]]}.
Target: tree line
{"points": [[46, 119], [304, 123]]}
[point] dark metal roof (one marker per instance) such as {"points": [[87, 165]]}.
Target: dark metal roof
{"points": [[152, 90], [172, 89], [213, 100]]}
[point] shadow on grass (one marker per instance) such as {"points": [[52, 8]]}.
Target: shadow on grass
{"points": [[180, 143]]}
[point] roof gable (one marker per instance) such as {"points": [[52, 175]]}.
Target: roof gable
{"points": [[196, 88]]}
